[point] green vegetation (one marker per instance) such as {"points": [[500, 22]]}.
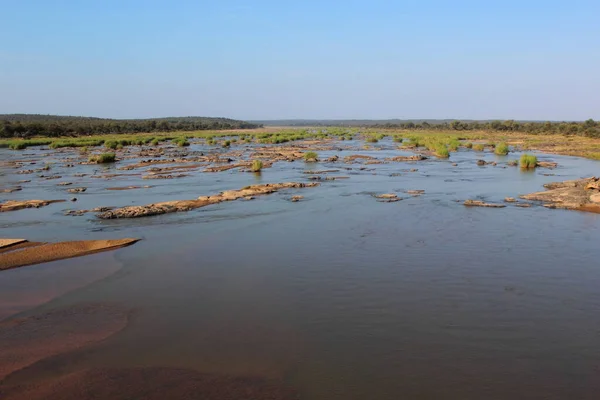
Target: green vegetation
{"points": [[469, 145], [453, 144], [371, 139], [478, 147], [528, 161], [154, 142], [310, 156], [181, 142], [442, 152], [18, 146], [257, 166], [29, 125], [227, 143], [501, 149], [103, 158], [512, 163], [111, 144]]}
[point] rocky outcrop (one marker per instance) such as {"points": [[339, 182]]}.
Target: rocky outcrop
{"points": [[479, 203], [13, 205], [186, 205], [77, 190], [416, 157], [580, 194]]}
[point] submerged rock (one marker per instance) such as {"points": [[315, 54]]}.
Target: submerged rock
{"points": [[77, 190], [510, 200]]}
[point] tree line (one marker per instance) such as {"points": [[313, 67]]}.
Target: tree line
{"points": [[30, 125]]}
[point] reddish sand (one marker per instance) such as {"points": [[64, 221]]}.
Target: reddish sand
{"points": [[24, 341], [148, 384], [32, 254]]}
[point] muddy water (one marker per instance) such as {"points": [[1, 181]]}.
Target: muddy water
{"points": [[341, 296]]}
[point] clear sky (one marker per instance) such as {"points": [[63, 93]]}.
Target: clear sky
{"points": [[271, 59]]}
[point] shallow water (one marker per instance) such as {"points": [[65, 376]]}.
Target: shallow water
{"points": [[341, 296]]}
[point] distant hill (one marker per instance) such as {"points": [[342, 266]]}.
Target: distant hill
{"points": [[28, 125]]}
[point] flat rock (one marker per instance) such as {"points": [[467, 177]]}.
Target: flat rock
{"points": [[13, 205], [77, 190], [479, 203], [187, 205], [573, 194]]}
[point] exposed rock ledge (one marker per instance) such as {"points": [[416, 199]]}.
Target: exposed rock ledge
{"points": [[186, 205], [580, 194]]}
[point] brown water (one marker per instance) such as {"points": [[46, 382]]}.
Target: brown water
{"points": [[340, 296]]}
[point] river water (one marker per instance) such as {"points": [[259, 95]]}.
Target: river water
{"points": [[339, 296]]}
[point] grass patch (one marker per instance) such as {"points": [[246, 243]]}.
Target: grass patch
{"points": [[469, 145], [371, 139], [442, 152], [501, 149], [181, 142], [227, 143], [257, 166], [310, 156], [528, 161], [103, 158], [17, 146], [478, 147]]}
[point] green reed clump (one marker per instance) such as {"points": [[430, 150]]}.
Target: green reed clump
{"points": [[103, 158], [181, 142], [501, 149], [512, 163], [528, 161], [17, 146], [478, 147], [154, 142], [111, 144], [371, 139], [453, 144], [398, 139], [310, 156], [469, 145], [119, 146], [442, 152], [257, 166], [227, 143]]}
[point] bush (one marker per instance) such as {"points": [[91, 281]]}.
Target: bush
{"points": [[257, 165], [501, 149], [528, 161], [478, 147], [103, 158], [442, 152], [310, 156]]}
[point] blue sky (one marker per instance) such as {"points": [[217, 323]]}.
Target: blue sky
{"points": [[267, 59]]}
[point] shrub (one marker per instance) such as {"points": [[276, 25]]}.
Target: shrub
{"points": [[528, 161], [501, 149], [257, 165], [478, 147], [310, 156], [103, 158]]}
